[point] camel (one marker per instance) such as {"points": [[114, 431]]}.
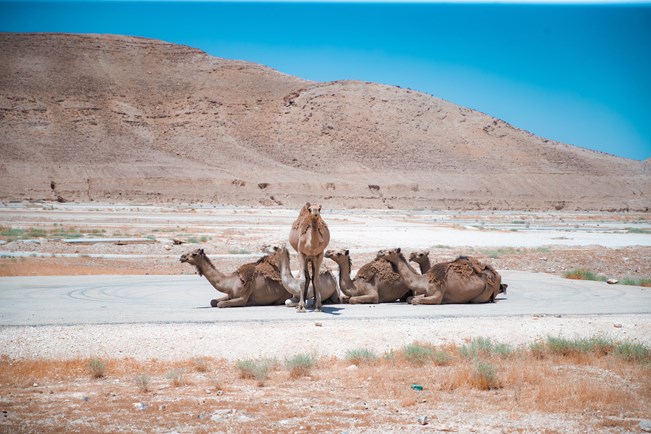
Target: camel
{"points": [[464, 280], [327, 282], [309, 236], [375, 282], [253, 284], [421, 257]]}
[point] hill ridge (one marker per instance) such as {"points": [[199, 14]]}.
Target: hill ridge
{"points": [[109, 117]]}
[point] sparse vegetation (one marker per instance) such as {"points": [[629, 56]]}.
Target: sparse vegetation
{"points": [[300, 365], [582, 274], [97, 368], [238, 251], [255, 369], [579, 376], [142, 382], [177, 377], [361, 355], [481, 346], [636, 282]]}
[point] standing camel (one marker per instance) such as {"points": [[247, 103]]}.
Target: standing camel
{"points": [[309, 236], [464, 280], [253, 284]]}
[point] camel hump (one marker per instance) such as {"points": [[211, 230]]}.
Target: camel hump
{"points": [[302, 214], [464, 266], [267, 267], [378, 269]]}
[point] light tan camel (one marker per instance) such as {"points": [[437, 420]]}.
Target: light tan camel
{"points": [[464, 280], [375, 282], [327, 282], [309, 236], [253, 284], [421, 257]]}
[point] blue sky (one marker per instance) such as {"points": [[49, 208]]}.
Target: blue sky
{"points": [[579, 73]]}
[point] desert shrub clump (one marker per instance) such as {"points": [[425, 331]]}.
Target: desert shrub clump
{"points": [[361, 355], [300, 365], [97, 368]]}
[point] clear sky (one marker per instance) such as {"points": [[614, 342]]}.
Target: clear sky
{"points": [[579, 72]]}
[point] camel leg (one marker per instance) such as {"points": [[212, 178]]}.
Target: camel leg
{"points": [[317, 291], [435, 298], [235, 302], [303, 295], [215, 301], [372, 298]]}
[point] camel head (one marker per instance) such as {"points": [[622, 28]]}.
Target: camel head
{"points": [[419, 256], [339, 256], [314, 210], [503, 287], [282, 252], [192, 257], [391, 255]]}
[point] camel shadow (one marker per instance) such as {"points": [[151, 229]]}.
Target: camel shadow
{"points": [[331, 310]]}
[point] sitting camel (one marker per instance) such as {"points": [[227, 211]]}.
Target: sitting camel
{"points": [[464, 280], [326, 281], [421, 257], [375, 282], [309, 236], [253, 284]]}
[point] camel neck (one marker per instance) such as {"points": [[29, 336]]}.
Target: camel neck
{"points": [[345, 282], [408, 274], [208, 270]]}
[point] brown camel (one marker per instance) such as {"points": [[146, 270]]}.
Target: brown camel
{"points": [[375, 282], [421, 257], [309, 236], [254, 284], [327, 282], [464, 280]]}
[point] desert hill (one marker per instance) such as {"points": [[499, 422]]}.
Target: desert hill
{"points": [[115, 118]]}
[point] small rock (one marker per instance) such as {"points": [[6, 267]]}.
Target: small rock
{"points": [[318, 324], [167, 247], [140, 406], [423, 420], [617, 326], [352, 368], [612, 281], [645, 425]]}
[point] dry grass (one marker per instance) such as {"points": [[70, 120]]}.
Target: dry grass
{"points": [[595, 388]]}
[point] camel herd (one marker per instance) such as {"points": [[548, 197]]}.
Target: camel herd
{"points": [[388, 278]]}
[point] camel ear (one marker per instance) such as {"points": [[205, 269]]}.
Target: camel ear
{"points": [[308, 204], [319, 207], [398, 250], [201, 252], [347, 252]]}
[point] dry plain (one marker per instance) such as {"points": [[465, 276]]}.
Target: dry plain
{"points": [[151, 321]]}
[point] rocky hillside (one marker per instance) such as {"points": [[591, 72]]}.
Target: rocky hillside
{"points": [[113, 118]]}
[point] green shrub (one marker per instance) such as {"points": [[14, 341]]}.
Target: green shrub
{"points": [[485, 375], [142, 381], [633, 352], [300, 365], [360, 355], [484, 346], [417, 354], [97, 368], [582, 274]]}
